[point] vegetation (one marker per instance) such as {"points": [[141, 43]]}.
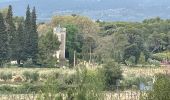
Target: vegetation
{"points": [[109, 57], [160, 90], [112, 75]]}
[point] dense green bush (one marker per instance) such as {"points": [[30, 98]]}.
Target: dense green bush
{"points": [[161, 56], [6, 76], [112, 73], [161, 89], [31, 76], [83, 85], [133, 81], [6, 89], [87, 86]]}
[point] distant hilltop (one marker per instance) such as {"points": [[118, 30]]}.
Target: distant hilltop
{"points": [[107, 10]]}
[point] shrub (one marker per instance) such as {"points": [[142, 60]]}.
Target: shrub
{"points": [[129, 82], [83, 85], [142, 58], [31, 76], [6, 76], [154, 62], [131, 61], [87, 86], [111, 72], [161, 89], [161, 56], [26, 74], [6, 89], [29, 88]]}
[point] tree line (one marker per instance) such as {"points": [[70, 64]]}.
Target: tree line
{"points": [[19, 39], [134, 41]]}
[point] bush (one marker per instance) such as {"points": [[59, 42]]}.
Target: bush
{"points": [[31, 76], [87, 86], [142, 58], [129, 82], [154, 62], [161, 56], [161, 89], [6, 89], [6, 76], [112, 73], [83, 85], [131, 61]]}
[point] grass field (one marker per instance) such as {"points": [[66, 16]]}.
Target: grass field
{"points": [[137, 71], [121, 95]]}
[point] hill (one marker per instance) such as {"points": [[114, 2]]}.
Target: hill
{"points": [[108, 10]]}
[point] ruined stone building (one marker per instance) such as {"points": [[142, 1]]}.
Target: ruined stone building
{"points": [[61, 34]]}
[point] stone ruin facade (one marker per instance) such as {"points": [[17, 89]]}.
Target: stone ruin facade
{"points": [[61, 34]]}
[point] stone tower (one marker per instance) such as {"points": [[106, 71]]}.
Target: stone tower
{"points": [[61, 34]]}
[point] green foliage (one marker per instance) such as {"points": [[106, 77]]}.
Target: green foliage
{"points": [[112, 73], [6, 89], [31, 76], [34, 37], [12, 35], [161, 89], [88, 85], [130, 39], [154, 62], [6, 76], [3, 42], [142, 58], [134, 81], [161, 56], [73, 43], [130, 61], [48, 44]]}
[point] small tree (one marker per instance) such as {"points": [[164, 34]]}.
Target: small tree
{"points": [[142, 58], [112, 72], [48, 45]]}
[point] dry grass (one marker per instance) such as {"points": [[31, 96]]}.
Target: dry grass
{"points": [[145, 71], [19, 71]]}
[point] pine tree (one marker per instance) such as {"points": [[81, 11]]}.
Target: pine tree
{"points": [[27, 35], [34, 36], [20, 43], [3, 42], [11, 30]]}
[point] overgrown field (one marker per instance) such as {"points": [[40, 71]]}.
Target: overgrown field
{"points": [[20, 83]]}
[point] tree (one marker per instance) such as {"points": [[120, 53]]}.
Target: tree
{"points": [[20, 43], [89, 45], [112, 73], [142, 58], [156, 42], [34, 37], [48, 45], [74, 42], [135, 46], [27, 50], [12, 35], [3, 42]]}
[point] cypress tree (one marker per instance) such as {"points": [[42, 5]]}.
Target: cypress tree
{"points": [[27, 35], [3, 42], [11, 30], [20, 43], [34, 36]]}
